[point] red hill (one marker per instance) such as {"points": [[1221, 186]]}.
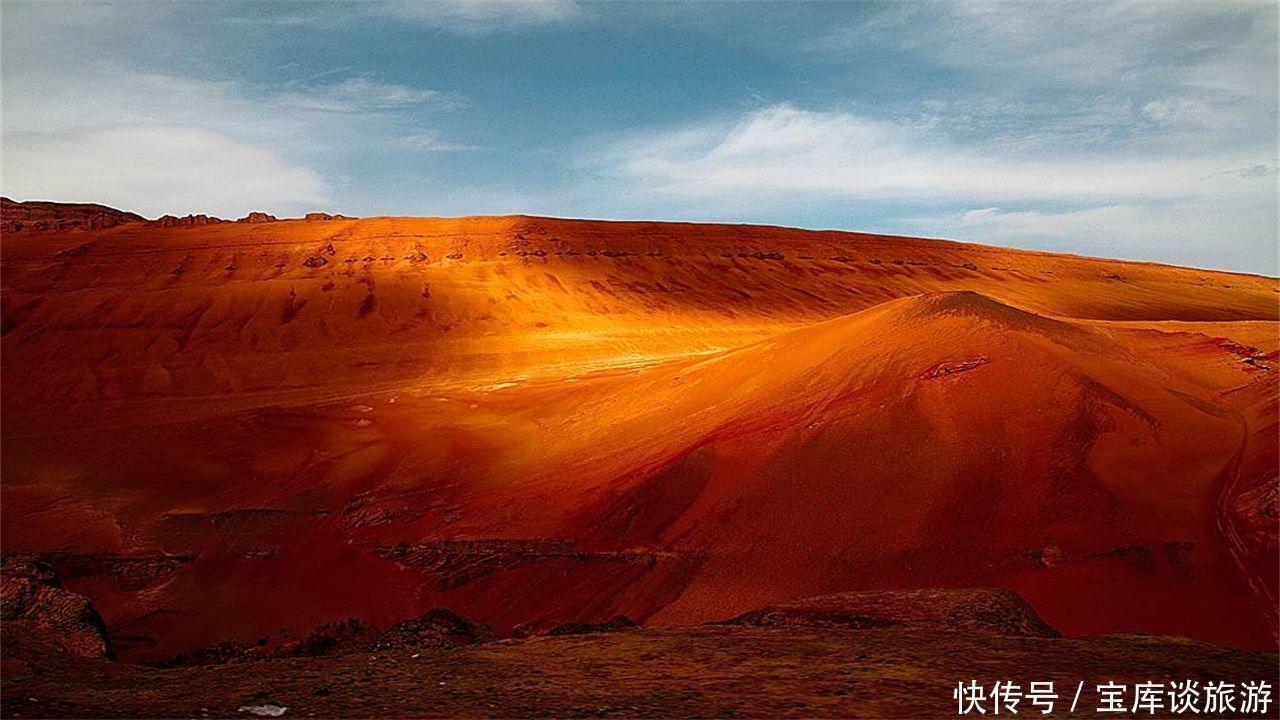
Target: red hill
{"points": [[218, 431]]}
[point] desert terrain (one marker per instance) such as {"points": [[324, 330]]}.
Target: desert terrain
{"points": [[878, 655], [227, 436]]}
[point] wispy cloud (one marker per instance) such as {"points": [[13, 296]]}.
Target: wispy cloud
{"points": [[1090, 72], [784, 150], [1211, 204], [150, 143], [215, 146], [1102, 44], [158, 169], [1230, 234], [363, 94], [459, 17], [479, 17], [431, 142], [80, 127]]}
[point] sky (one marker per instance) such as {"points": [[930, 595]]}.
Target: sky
{"points": [[1142, 131]]}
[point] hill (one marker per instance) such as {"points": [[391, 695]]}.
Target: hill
{"points": [[220, 431], [36, 216]]}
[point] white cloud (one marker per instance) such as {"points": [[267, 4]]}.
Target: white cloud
{"points": [[1143, 130], [480, 17], [430, 141], [460, 17], [78, 126], [157, 169], [1131, 129], [1236, 234], [362, 94], [783, 150], [58, 100], [1162, 75], [1006, 225], [150, 143], [1198, 204], [1223, 45]]}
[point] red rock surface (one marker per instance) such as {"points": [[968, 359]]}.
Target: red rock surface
{"points": [[18, 217]]}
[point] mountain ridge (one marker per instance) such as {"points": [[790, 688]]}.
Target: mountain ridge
{"points": [[533, 218]]}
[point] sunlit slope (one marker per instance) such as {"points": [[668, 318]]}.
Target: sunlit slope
{"points": [[221, 316], [943, 439], [948, 437]]}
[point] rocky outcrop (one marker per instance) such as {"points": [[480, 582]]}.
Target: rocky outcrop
{"points": [[257, 217], [121, 572], [37, 216], [33, 602], [457, 562], [947, 369], [986, 610], [221, 653], [185, 221], [330, 637], [340, 636], [615, 624], [242, 529], [438, 629]]}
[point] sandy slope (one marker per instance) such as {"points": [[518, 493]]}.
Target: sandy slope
{"points": [[539, 420]]}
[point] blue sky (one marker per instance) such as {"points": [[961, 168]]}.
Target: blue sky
{"points": [[1135, 130]]}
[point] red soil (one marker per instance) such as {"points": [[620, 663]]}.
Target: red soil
{"points": [[535, 421]]}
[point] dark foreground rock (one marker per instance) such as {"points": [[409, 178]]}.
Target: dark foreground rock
{"points": [[34, 603], [701, 671], [438, 629], [872, 655], [969, 610], [621, 622]]}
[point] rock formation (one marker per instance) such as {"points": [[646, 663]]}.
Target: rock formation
{"points": [[614, 624], [37, 216], [185, 221], [438, 629], [33, 601], [257, 217], [964, 610]]}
